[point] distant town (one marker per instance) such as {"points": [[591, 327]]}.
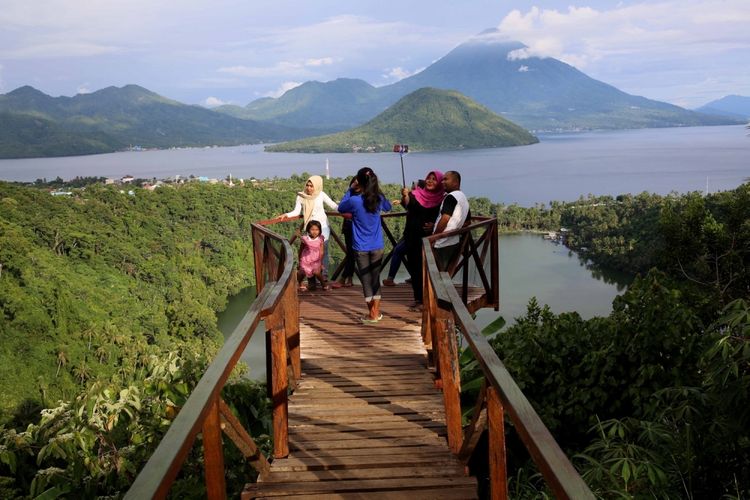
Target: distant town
{"points": [[60, 187]]}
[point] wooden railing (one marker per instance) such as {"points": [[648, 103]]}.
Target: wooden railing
{"points": [[205, 412], [478, 255], [446, 313]]}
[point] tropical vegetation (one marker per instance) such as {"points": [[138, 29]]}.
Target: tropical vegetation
{"points": [[651, 401], [108, 303]]}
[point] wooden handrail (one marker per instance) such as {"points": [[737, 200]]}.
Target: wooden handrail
{"points": [[204, 410], [503, 394]]}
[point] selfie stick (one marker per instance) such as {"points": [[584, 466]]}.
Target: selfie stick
{"points": [[401, 149]]}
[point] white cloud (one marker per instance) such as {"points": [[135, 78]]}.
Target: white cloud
{"points": [[212, 102], [523, 69], [324, 61], [397, 73], [280, 69], [57, 50], [652, 48], [84, 88], [282, 89], [583, 35]]}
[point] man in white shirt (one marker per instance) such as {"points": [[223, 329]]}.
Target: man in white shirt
{"points": [[454, 212]]}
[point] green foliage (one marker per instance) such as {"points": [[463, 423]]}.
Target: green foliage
{"points": [[96, 444], [87, 280], [663, 396], [427, 119]]}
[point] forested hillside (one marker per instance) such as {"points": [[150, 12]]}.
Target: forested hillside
{"points": [[651, 401], [108, 308]]}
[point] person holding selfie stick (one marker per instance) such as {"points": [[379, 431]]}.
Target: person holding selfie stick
{"points": [[422, 205]]}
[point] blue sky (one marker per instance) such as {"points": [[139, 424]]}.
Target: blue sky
{"points": [[686, 52]]}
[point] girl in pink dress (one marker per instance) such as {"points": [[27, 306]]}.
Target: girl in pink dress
{"points": [[311, 250]]}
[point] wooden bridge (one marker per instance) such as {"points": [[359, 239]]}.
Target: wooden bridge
{"points": [[365, 411]]}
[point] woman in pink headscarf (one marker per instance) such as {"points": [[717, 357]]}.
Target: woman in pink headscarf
{"points": [[422, 206]]}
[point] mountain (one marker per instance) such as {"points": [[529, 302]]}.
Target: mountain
{"points": [[541, 94], [427, 119], [34, 124], [331, 106], [732, 106]]}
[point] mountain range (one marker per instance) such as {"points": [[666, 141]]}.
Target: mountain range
{"points": [[427, 119], [731, 106], [34, 124], [541, 94]]}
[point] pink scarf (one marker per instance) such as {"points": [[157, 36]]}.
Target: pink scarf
{"points": [[429, 199]]}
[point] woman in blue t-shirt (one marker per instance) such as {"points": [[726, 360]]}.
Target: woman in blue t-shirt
{"points": [[365, 207]]}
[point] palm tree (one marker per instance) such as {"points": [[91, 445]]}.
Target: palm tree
{"points": [[62, 360]]}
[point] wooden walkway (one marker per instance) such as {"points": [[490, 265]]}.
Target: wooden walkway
{"points": [[366, 420]]}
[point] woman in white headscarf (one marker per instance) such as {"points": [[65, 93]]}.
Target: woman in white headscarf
{"points": [[309, 203]]}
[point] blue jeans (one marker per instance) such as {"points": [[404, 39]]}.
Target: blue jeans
{"points": [[396, 258]]}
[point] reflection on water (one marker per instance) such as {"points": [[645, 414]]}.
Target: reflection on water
{"points": [[530, 266]]}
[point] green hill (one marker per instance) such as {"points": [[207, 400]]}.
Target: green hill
{"points": [[428, 120], [34, 124]]}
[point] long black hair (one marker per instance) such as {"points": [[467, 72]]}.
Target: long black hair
{"points": [[371, 193], [313, 223]]}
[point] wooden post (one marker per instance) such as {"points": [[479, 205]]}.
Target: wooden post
{"points": [[495, 267], [258, 248], [213, 455], [465, 274], [290, 306], [449, 373], [428, 304], [498, 466], [279, 388]]}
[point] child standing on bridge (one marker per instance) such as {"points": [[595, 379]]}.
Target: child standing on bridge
{"points": [[311, 250]]}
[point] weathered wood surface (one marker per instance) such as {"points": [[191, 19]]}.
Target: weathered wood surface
{"points": [[366, 420]]}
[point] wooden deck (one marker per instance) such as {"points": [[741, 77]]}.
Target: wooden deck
{"points": [[366, 420]]}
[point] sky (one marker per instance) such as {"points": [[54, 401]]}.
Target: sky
{"points": [[686, 52]]}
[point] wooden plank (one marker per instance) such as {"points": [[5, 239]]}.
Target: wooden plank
{"points": [[421, 494], [328, 463], [363, 485], [299, 435], [370, 448], [373, 473], [398, 442]]}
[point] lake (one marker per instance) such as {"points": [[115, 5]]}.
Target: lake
{"points": [[530, 266], [561, 167]]}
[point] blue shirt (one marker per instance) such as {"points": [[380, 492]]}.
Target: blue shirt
{"points": [[368, 235]]}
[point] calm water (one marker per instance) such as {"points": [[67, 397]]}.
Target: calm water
{"points": [[560, 167], [529, 266]]}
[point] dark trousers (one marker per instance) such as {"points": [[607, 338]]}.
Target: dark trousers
{"points": [[414, 257], [445, 255], [368, 264], [351, 255]]}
